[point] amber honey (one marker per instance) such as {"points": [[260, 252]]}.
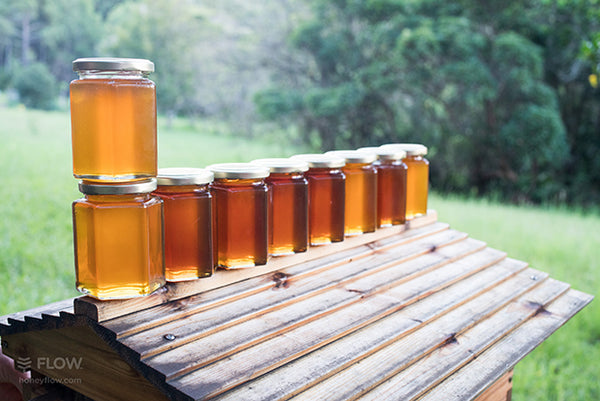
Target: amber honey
{"points": [[187, 205], [113, 120], [326, 197], [361, 191], [240, 214], [417, 178], [391, 186], [288, 205], [118, 239]]}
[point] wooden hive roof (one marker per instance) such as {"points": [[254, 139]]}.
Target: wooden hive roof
{"points": [[413, 312]]}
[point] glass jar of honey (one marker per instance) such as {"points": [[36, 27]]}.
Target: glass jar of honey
{"points": [[118, 240], [361, 191], [391, 185], [240, 209], [288, 205], [417, 177], [113, 119], [326, 197], [187, 205]]}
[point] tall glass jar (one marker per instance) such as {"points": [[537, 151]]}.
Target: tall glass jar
{"points": [[241, 208], [326, 197], [361, 191], [118, 239], [188, 222], [391, 186], [417, 178], [113, 119], [288, 205]]}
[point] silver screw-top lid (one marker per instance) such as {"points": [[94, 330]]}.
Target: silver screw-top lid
{"points": [[354, 156], [385, 153], [238, 171], [135, 187], [282, 165], [184, 176], [411, 149], [113, 64], [320, 160]]}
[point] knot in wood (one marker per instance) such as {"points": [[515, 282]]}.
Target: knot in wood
{"points": [[280, 279]]}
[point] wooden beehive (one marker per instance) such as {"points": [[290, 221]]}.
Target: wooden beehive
{"points": [[412, 312]]}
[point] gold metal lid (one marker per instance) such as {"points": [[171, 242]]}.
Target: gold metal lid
{"points": [[354, 156], [184, 176], [411, 149], [113, 64], [320, 160], [282, 165], [385, 153], [238, 171], [132, 187]]}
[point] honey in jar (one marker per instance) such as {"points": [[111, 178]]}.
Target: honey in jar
{"points": [[417, 177], [187, 205], [361, 191], [391, 186], [288, 205], [118, 239], [326, 197], [113, 119], [240, 214]]}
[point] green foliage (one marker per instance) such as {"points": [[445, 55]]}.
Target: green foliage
{"points": [[36, 86]]}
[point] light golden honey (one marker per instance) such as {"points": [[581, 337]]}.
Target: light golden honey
{"points": [[361, 198], [417, 184]]}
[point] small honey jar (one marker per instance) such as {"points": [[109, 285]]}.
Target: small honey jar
{"points": [[118, 239], [240, 199], [187, 204], [326, 197], [113, 119], [391, 186], [361, 191], [417, 177], [288, 205]]}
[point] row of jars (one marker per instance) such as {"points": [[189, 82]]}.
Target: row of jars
{"points": [[131, 237]]}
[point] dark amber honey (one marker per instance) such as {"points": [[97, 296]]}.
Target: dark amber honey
{"points": [[241, 208], [118, 238], [288, 205], [187, 221], [326, 198], [361, 192], [113, 120]]}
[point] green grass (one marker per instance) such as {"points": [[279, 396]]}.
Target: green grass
{"points": [[36, 249]]}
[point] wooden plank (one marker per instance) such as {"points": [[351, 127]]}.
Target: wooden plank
{"points": [[441, 348], [251, 362], [145, 319], [304, 372], [501, 390], [474, 378], [151, 341], [95, 370], [105, 310], [50, 309]]}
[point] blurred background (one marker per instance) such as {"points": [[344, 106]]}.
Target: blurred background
{"points": [[504, 93]]}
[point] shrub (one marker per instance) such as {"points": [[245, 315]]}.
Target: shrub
{"points": [[36, 86]]}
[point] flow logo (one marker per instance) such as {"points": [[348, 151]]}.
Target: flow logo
{"points": [[23, 364]]}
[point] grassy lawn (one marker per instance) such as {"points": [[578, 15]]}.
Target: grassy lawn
{"points": [[36, 251]]}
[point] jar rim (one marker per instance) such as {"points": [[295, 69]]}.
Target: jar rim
{"points": [[320, 160], [384, 153], [113, 64], [170, 176], [238, 171], [282, 165], [411, 149], [354, 156], [121, 188]]}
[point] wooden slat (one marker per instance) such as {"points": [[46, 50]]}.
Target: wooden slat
{"points": [[468, 382], [151, 341], [50, 309], [242, 366], [501, 390], [329, 360], [431, 235], [105, 310], [451, 347]]}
